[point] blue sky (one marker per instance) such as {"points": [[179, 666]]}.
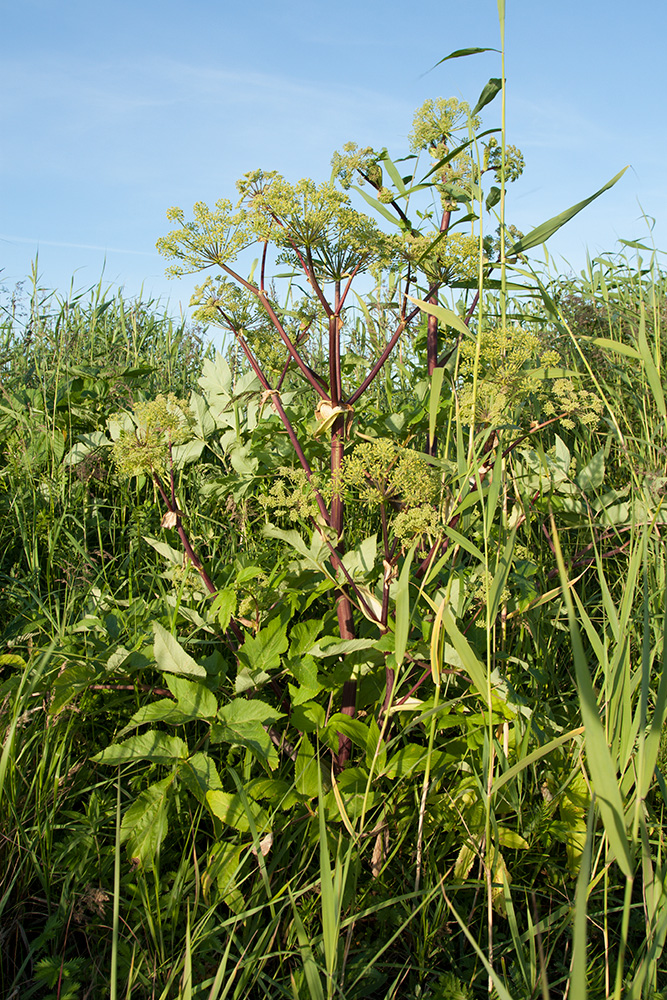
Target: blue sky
{"points": [[111, 113]]}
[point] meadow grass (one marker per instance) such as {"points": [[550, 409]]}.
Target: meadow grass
{"points": [[518, 851]]}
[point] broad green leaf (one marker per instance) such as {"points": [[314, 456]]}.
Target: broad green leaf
{"points": [[216, 377], [261, 653], [171, 657], [294, 539], [200, 775], [70, 682], [224, 607], [243, 710], [543, 232], [145, 823], [173, 556], [573, 807], [222, 868], [162, 710], [159, 748], [251, 735], [231, 809], [193, 698], [509, 838], [184, 454], [409, 759], [307, 717], [591, 476], [491, 89], [302, 636], [204, 423], [356, 730], [360, 561]]}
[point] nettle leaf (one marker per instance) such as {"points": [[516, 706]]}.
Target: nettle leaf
{"points": [[261, 653], [145, 823], [171, 657], [194, 699], [233, 810], [159, 748]]}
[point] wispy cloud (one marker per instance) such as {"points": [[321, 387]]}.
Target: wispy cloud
{"points": [[36, 241]]}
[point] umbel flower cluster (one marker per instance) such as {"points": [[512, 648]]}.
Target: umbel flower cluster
{"points": [[497, 375], [377, 474], [157, 426]]}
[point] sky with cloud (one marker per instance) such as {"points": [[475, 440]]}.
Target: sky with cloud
{"points": [[112, 113]]}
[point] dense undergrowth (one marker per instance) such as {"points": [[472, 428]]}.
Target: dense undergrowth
{"points": [[214, 782]]}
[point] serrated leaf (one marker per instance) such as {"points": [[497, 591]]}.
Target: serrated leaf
{"points": [[260, 654], [145, 823], [171, 657], [200, 775], [224, 607], [251, 735], [241, 710], [194, 699], [156, 747]]}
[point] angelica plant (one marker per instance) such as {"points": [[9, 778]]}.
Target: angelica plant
{"points": [[325, 243]]}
